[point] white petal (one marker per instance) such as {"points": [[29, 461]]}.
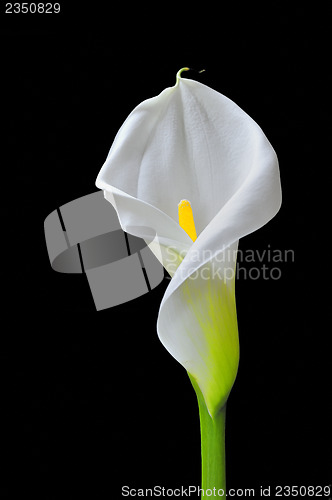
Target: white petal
{"points": [[189, 142], [164, 236], [194, 143], [197, 324]]}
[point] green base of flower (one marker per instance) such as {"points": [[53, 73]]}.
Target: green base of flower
{"points": [[212, 447]]}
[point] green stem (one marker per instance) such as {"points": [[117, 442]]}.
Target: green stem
{"points": [[212, 447]]}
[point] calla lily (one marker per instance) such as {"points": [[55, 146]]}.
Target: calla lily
{"points": [[191, 142]]}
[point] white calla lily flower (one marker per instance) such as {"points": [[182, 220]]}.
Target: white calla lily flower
{"points": [[191, 173], [193, 143]]}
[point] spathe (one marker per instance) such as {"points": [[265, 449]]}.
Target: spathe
{"points": [[192, 142]]}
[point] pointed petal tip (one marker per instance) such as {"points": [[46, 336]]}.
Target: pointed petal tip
{"points": [[178, 74]]}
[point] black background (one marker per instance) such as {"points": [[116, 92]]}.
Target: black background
{"points": [[92, 401]]}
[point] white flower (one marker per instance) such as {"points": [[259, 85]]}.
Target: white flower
{"points": [[191, 142]]}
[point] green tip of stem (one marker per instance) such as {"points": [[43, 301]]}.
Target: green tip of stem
{"points": [[178, 74]]}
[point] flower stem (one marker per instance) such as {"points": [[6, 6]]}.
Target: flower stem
{"points": [[212, 447]]}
